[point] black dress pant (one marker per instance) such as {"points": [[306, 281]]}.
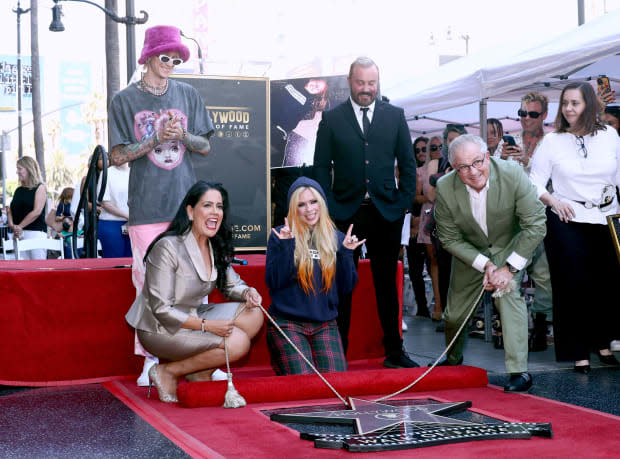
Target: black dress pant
{"points": [[383, 246], [416, 254], [584, 277], [444, 266]]}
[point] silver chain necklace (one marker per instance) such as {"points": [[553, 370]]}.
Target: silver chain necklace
{"points": [[155, 90]]}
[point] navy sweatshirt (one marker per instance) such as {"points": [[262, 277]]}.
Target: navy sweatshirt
{"points": [[289, 301]]}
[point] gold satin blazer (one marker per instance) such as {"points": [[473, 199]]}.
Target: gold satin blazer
{"points": [[175, 283]]}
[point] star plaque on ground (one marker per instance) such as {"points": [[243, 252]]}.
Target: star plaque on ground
{"points": [[381, 427]]}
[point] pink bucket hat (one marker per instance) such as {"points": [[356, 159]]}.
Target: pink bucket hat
{"points": [[160, 39]]}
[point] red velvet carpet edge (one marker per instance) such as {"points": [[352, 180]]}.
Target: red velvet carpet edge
{"points": [[350, 383]]}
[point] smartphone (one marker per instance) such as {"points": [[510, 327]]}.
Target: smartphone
{"points": [[509, 140], [603, 84]]}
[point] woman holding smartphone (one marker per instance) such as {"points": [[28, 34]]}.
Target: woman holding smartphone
{"points": [[582, 158]]}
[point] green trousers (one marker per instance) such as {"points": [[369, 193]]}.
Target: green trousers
{"points": [[465, 285]]}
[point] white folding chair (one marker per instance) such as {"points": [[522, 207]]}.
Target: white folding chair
{"points": [[8, 252], [45, 243]]}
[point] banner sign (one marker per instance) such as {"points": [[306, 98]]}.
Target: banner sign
{"points": [[8, 83], [75, 90], [296, 110], [238, 159]]}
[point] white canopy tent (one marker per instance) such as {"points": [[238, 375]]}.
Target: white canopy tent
{"points": [[491, 83]]}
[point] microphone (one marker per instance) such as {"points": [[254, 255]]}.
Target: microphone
{"points": [[200, 63], [239, 261]]}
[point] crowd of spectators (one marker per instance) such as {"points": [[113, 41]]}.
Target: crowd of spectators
{"points": [[579, 189]]}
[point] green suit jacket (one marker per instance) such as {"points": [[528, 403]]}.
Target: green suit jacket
{"points": [[515, 218]]}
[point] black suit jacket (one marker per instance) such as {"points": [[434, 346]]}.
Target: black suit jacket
{"points": [[360, 164]]}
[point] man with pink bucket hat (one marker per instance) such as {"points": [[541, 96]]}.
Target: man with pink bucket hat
{"points": [[155, 124]]}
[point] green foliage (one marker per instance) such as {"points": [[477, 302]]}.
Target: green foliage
{"points": [[11, 186], [59, 174]]}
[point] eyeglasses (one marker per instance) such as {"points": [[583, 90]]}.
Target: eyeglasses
{"points": [[477, 164], [524, 113], [175, 60], [436, 147], [418, 150], [582, 146]]}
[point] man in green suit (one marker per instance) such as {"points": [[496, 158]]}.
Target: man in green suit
{"points": [[490, 219]]}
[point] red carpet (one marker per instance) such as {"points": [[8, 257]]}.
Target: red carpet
{"points": [[246, 432]]}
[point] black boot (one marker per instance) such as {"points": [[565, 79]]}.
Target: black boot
{"points": [[538, 339]]}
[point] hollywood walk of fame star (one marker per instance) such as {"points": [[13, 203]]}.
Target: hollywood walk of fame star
{"points": [[369, 416]]}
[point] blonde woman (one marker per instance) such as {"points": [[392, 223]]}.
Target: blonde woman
{"points": [[26, 214], [309, 263]]}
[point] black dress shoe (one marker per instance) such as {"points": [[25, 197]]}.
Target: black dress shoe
{"points": [[584, 369], [608, 359], [519, 382], [446, 363], [401, 360], [423, 312]]}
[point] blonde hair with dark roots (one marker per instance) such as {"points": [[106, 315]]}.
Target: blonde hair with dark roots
{"points": [[321, 238], [536, 97], [34, 173]]}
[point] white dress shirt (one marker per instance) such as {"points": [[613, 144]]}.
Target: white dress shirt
{"points": [[478, 203], [577, 178]]}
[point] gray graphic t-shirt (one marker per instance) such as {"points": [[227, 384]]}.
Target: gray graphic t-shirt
{"points": [[159, 180]]}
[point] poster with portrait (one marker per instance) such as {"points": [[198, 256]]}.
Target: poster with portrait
{"points": [[296, 110], [239, 156]]}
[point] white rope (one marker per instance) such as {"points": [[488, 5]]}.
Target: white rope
{"points": [[232, 398], [471, 311], [473, 308], [303, 356]]}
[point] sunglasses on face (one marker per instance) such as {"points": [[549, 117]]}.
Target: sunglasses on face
{"points": [[525, 113], [418, 150], [167, 59], [436, 147]]}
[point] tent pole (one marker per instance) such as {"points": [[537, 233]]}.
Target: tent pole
{"points": [[483, 119]]}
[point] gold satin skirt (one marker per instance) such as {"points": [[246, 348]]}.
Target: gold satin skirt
{"points": [[187, 343]]}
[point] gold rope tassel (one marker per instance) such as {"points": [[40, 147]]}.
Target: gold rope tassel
{"points": [[232, 399]]}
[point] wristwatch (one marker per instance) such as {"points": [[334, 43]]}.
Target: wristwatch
{"points": [[511, 268]]}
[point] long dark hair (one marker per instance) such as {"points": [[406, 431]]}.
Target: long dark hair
{"points": [[221, 243], [588, 122]]}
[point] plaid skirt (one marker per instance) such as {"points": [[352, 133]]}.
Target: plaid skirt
{"points": [[319, 341]]}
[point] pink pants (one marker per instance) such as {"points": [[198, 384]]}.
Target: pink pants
{"points": [[141, 237]]}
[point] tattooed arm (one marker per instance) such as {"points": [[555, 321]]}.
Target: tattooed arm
{"points": [[196, 143], [122, 154]]}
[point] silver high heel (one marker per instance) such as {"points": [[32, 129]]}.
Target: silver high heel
{"points": [[154, 380]]}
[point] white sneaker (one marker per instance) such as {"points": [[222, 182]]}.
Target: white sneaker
{"points": [[219, 375], [615, 346], [404, 326], [143, 379]]}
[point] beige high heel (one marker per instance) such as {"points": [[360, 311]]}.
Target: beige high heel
{"points": [[154, 380]]}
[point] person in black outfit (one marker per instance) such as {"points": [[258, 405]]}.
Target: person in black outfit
{"points": [[26, 214], [357, 144]]}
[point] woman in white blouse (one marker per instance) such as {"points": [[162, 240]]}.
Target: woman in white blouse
{"points": [[582, 159]]}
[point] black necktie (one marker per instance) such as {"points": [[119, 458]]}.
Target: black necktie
{"points": [[365, 120]]}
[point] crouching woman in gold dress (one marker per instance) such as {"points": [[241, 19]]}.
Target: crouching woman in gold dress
{"points": [[183, 265]]}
